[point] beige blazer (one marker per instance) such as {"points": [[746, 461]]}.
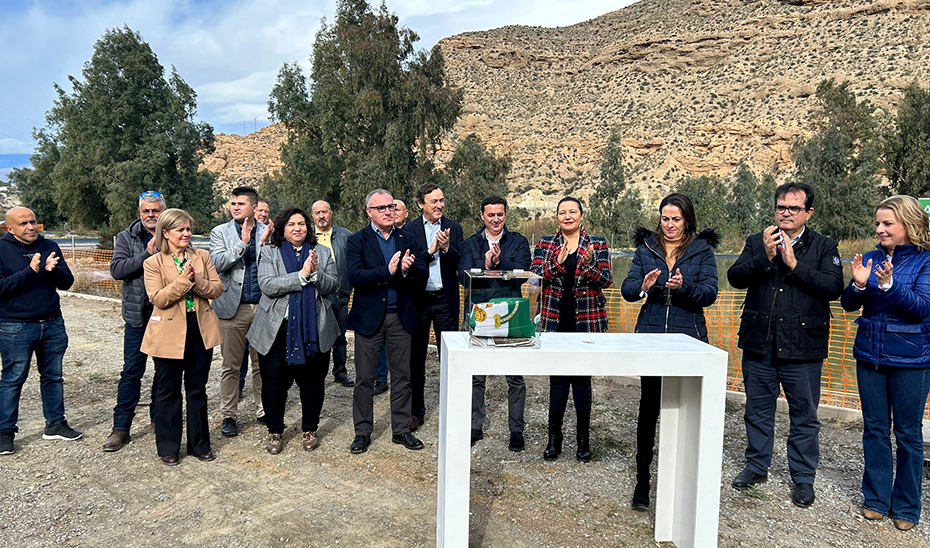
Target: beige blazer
{"points": [[167, 328]]}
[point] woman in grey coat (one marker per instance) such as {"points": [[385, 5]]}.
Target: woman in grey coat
{"points": [[294, 327]]}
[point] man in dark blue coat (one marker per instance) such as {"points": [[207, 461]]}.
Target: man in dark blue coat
{"points": [[31, 270], [441, 240], [133, 246], [494, 247], [791, 274], [385, 268]]}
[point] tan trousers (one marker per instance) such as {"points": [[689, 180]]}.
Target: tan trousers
{"points": [[234, 330]]}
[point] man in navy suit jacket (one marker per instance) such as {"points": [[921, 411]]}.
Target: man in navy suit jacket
{"points": [[386, 270], [441, 240]]}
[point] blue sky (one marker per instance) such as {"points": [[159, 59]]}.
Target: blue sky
{"points": [[229, 51]]}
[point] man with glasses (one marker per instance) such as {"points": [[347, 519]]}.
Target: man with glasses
{"points": [[384, 267], [335, 238], [133, 246], [791, 274], [31, 270], [234, 248]]}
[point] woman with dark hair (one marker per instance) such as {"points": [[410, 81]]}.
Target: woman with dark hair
{"points": [[575, 268], [675, 270], [294, 327], [181, 334], [892, 353]]}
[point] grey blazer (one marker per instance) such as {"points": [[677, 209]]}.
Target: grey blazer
{"points": [[277, 284], [226, 252]]}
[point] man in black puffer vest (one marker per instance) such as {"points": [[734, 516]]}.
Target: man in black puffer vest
{"points": [[791, 274], [133, 246]]}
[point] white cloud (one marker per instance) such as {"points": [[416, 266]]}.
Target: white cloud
{"points": [[5, 173], [15, 146]]}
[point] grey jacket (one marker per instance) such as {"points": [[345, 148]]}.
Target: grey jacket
{"points": [[277, 284], [128, 255], [227, 252], [339, 238]]}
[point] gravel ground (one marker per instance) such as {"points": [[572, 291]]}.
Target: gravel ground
{"points": [[73, 494]]}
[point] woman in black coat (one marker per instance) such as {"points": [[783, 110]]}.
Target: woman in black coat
{"points": [[675, 270]]}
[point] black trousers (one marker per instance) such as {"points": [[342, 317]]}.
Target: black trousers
{"points": [[193, 371], [396, 341], [277, 378], [434, 311], [558, 401], [650, 403]]}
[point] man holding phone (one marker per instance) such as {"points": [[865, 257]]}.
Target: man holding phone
{"points": [[791, 274]]}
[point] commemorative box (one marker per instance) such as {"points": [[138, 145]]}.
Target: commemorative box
{"points": [[498, 310]]}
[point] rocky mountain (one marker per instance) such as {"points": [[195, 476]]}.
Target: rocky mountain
{"points": [[694, 86], [244, 160]]}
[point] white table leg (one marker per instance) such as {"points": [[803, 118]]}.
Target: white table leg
{"points": [[454, 453]]}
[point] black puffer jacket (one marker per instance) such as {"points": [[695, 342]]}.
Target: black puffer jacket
{"points": [[674, 310], [791, 305], [128, 255]]}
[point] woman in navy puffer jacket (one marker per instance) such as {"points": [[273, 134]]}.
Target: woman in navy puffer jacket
{"points": [[892, 350], [675, 270]]}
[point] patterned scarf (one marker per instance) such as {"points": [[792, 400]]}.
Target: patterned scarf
{"points": [[189, 296]]}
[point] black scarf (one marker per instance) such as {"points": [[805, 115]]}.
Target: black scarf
{"points": [[302, 336]]}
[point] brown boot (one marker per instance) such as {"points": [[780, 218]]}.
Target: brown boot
{"points": [[311, 441], [274, 445], [116, 441]]}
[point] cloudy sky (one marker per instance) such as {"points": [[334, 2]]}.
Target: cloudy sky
{"points": [[229, 51]]}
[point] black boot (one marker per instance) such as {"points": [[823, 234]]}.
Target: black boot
{"points": [[584, 450], [641, 494], [554, 449]]}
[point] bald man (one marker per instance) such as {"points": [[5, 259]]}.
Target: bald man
{"points": [[31, 270], [335, 238], [400, 213]]}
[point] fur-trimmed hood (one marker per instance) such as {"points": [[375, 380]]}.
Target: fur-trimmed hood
{"points": [[709, 235]]}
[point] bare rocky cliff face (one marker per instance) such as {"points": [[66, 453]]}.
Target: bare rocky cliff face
{"points": [[693, 86]]}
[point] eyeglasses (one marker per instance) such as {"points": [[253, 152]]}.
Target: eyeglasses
{"points": [[794, 210], [383, 208], [150, 194]]}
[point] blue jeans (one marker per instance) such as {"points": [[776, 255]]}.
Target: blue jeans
{"points": [[18, 342], [887, 392], [130, 380]]}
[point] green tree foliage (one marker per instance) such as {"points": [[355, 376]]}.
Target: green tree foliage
{"points": [[749, 208], [840, 162], [473, 173], [907, 144], [708, 193], [615, 211], [125, 129], [372, 114], [34, 185]]}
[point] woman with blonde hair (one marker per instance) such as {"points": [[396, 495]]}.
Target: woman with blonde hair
{"points": [[180, 335], [892, 350]]}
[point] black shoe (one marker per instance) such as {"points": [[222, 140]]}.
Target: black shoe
{"points": [[747, 478], [554, 448], [475, 436], [584, 449], [6, 444], [61, 431], [262, 420], [517, 443], [229, 429], [380, 387], [344, 380], [360, 444], [640, 500], [803, 495], [408, 440]]}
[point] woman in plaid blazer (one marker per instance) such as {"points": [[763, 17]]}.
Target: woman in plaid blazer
{"points": [[575, 267]]}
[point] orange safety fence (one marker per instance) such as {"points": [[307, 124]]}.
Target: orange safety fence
{"points": [[838, 381]]}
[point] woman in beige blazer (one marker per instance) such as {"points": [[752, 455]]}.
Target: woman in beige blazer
{"points": [[180, 335]]}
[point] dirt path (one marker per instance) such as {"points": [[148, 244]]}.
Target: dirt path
{"points": [[73, 494]]}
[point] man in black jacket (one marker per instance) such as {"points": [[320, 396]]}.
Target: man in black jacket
{"points": [[791, 274], [31, 270], [133, 246], [385, 269], [441, 240], [496, 248]]}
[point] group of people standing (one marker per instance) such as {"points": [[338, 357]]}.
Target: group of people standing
{"points": [[278, 291]]}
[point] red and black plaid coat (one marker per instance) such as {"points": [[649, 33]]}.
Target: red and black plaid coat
{"points": [[590, 280]]}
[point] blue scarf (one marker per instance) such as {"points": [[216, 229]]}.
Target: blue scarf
{"points": [[302, 337]]}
